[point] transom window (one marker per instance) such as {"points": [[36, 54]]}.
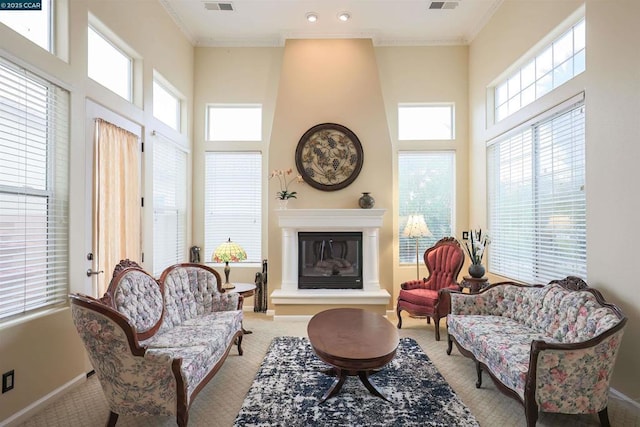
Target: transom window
{"points": [[426, 186], [109, 65], [425, 122], [234, 123], [166, 105], [557, 63], [32, 24]]}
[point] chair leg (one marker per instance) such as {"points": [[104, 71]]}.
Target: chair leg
{"points": [[239, 342], [398, 310], [604, 418], [113, 419], [436, 323]]}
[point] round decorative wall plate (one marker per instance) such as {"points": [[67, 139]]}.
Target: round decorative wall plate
{"points": [[329, 157]]}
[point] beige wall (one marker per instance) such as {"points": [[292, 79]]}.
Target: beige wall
{"points": [[612, 87], [300, 86], [44, 350], [232, 75], [332, 81], [426, 74]]}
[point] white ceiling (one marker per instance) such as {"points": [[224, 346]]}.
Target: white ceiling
{"points": [[387, 22]]}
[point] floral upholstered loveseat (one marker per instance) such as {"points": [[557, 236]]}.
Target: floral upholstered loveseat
{"points": [[155, 344], [552, 347]]}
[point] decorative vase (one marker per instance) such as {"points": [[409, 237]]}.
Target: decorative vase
{"points": [[282, 204], [476, 270], [366, 201]]}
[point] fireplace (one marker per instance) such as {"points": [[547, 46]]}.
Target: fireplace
{"points": [[296, 222], [330, 260]]}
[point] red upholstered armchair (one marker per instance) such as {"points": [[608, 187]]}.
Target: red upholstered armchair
{"points": [[423, 297]]}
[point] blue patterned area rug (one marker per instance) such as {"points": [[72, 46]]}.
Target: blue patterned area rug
{"points": [[289, 385]]}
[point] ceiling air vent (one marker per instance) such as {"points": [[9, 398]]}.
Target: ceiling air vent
{"points": [[218, 6], [443, 5]]}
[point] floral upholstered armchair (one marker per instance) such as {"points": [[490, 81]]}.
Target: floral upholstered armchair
{"points": [[424, 297], [155, 344]]}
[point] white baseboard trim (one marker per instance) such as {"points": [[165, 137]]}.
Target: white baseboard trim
{"points": [[247, 308], [29, 411], [618, 395]]}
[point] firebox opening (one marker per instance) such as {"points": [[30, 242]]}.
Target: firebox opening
{"points": [[330, 260]]}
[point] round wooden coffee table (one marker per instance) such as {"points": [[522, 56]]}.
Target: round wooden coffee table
{"points": [[354, 342]]}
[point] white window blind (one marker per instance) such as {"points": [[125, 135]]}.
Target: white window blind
{"points": [[233, 202], [426, 185], [537, 203], [169, 204], [34, 191]]}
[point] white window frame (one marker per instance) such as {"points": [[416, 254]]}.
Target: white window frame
{"points": [[544, 71], [537, 235], [419, 200], [415, 123], [246, 126], [34, 170], [126, 93], [163, 91], [28, 23]]}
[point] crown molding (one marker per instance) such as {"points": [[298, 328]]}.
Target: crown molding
{"points": [[178, 21], [482, 22]]}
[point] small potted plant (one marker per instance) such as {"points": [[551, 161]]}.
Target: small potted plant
{"points": [[285, 180], [476, 245]]}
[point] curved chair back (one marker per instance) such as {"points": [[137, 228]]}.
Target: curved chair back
{"points": [[444, 261], [138, 296]]}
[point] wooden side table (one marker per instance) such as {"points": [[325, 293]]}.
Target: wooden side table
{"points": [[474, 284], [244, 289]]}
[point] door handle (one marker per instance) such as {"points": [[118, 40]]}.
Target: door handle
{"points": [[90, 272]]}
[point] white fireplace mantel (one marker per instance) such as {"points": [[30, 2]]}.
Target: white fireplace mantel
{"points": [[366, 221]]}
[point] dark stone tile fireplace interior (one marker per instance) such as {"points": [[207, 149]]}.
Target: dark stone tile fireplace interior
{"points": [[329, 260]]}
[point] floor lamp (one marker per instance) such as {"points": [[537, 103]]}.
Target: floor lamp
{"points": [[416, 228]]}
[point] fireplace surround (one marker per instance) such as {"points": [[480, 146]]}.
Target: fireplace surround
{"points": [[368, 222]]}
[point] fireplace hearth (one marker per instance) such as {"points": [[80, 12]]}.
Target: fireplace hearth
{"points": [[330, 260]]}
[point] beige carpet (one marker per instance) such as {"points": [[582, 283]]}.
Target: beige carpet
{"points": [[219, 402]]}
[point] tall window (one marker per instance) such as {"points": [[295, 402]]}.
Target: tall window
{"points": [[233, 208], [426, 185], [552, 66], [169, 204], [34, 24], [166, 105], [34, 191], [537, 203], [425, 122], [109, 65]]}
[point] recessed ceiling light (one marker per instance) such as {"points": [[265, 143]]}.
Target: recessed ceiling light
{"points": [[312, 17], [344, 16]]}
